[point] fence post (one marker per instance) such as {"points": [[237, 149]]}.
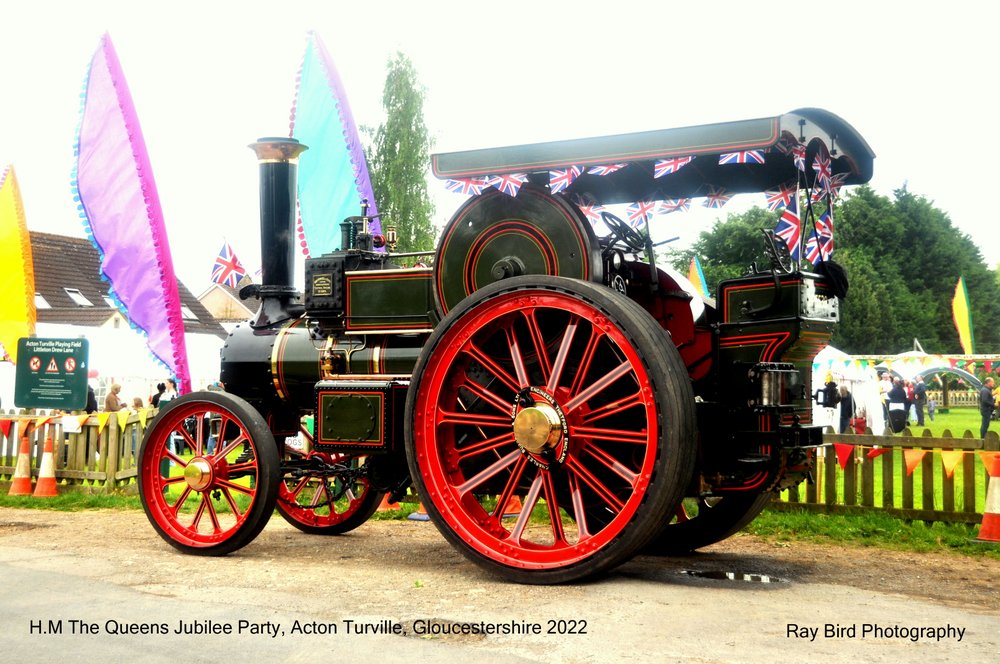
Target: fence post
{"points": [[114, 452]]}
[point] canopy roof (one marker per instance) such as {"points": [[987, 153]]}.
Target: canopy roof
{"points": [[815, 128]]}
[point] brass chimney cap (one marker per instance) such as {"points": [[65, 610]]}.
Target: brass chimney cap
{"points": [[278, 149]]}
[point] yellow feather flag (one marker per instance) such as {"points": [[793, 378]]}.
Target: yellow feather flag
{"points": [[17, 273], [962, 314]]}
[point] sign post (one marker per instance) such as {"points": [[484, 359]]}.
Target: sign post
{"points": [[51, 373]]}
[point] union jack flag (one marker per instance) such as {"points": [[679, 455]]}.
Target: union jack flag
{"points": [[742, 157], [821, 164], [836, 182], [591, 210], [789, 229], [780, 197], [819, 247], [799, 156], [638, 211], [669, 166], [674, 205], [466, 186], [786, 143], [508, 184], [560, 179], [716, 197], [607, 169], [228, 269]]}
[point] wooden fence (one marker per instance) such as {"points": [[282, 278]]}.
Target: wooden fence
{"points": [[883, 483], [95, 455], [101, 458]]}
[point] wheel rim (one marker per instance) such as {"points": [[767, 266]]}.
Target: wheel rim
{"points": [[538, 396], [321, 501], [197, 497]]}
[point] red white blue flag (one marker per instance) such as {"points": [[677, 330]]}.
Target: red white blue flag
{"points": [[607, 169], [638, 211], [674, 205], [799, 156], [716, 197], [663, 167], [466, 186], [562, 178], [789, 229], [780, 197], [508, 184], [742, 157], [819, 247], [228, 269], [821, 165]]}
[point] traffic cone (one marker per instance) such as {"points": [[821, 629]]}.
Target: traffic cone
{"points": [[45, 487], [386, 506], [20, 485], [989, 531], [420, 514], [512, 508]]}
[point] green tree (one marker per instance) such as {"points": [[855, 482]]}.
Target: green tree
{"points": [[400, 158]]}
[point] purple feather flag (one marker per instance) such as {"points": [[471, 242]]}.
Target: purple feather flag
{"points": [[116, 195]]}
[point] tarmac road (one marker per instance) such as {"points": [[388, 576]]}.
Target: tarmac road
{"points": [[97, 586]]}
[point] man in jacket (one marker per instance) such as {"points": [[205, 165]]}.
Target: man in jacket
{"points": [[986, 406], [920, 399]]}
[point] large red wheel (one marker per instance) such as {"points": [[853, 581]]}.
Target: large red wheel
{"points": [[561, 393], [699, 522], [208, 473], [320, 501]]}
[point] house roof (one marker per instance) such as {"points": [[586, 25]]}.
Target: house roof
{"points": [[64, 264], [242, 310]]}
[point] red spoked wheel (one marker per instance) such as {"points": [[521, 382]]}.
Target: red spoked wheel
{"points": [[700, 522], [208, 473], [562, 393], [321, 501]]}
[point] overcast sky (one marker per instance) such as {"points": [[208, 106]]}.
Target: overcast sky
{"points": [[918, 80]]}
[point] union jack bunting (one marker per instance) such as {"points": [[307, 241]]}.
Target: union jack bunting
{"points": [[819, 246], [591, 210], [780, 197], [799, 156], [836, 182], [786, 143], [466, 186], [606, 170], [716, 197], [789, 229], [560, 179], [674, 205], [663, 167], [638, 211], [508, 184], [228, 269], [742, 157]]}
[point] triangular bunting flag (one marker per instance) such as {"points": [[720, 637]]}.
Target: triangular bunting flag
{"points": [[843, 453], [988, 458], [82, 419], [102, 421], [950, 459], [143, 412], [5, 426], [42, 421], [122, 417], [913, 458], [877, 452]]}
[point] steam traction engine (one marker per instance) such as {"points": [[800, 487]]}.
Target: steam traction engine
{"points": [[533, 360]]}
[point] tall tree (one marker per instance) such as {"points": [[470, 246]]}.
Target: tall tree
{"points": [[400, 159]]}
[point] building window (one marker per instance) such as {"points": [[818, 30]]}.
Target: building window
{"points": [[41, 302], [108, 301], [187, 313], [77, 296]]}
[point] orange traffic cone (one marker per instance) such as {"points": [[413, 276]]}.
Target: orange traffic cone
{"points": [[420, 514], [20, 485], [45, 487], [386, 506], [990, 530], [512, 508]]}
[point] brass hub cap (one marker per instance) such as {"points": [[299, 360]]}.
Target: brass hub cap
{"points": [[198, 474], [537, 428]]}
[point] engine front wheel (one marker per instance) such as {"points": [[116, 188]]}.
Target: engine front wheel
{"points": [[562, 394], [702, 521], [208, 473]]}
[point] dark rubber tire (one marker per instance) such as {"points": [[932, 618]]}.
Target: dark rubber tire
{"points": [[715, 520], [231, 492]]}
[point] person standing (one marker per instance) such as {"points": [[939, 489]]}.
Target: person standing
{"points": [[897, 406], [154, 400], [846, 409], [112, 404], [920, 399], [986, 406]]}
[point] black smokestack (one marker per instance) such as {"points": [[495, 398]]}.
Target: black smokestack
{"points": [[278, 159]]}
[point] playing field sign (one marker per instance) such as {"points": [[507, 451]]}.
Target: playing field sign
{"points": [[51, 373]]}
